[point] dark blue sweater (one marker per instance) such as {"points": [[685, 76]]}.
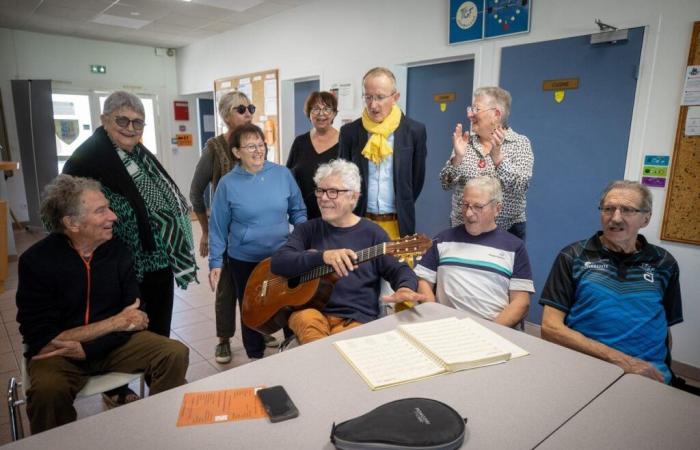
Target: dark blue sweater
{"points": [[357, 295]]}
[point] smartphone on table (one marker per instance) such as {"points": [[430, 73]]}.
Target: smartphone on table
{"points": [[277, 403]]}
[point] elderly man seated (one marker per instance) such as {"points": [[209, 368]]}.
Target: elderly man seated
{"points": [[78, 307], [614, 295], [478, 267], [333, 239]]}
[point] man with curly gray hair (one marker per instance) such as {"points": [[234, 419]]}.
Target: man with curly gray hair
{"points": [[334, 239], [78, 307]]}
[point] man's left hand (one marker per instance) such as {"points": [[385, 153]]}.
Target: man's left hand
{"points": [[67, 349], [405, 294]]}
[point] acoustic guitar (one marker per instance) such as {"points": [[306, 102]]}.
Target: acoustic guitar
{"points": [[269, 299]]}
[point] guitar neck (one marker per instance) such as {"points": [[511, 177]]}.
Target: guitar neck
{"points": [[362, 256]]}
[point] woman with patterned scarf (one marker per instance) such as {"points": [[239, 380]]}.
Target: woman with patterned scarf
{"points": [[153, 216]]}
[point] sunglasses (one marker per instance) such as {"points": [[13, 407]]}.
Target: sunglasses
{"points": [[124, 122], [240, 109]]}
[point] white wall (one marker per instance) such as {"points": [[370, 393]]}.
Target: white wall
{"points": [[66, 60], [338, 41]]}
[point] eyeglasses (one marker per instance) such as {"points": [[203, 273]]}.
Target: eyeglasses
{"points": [[251, 148], [124, 122], [626, 211], [240, 109], [316, 111], [477, 110], [331, 193], [376, 98], [476, 209]]}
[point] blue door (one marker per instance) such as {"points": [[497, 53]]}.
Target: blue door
{"points": [[424, 82], [302, 89], [580, 144]]}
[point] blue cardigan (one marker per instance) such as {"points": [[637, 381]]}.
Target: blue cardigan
{"points": [[251, 213]]}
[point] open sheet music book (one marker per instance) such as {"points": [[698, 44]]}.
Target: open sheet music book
{"points": [[424, 349]]}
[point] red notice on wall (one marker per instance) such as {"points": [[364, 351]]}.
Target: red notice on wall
{"points": [[182, 109]]}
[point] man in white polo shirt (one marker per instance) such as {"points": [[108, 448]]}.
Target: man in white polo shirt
{"points": [[478, 267]]}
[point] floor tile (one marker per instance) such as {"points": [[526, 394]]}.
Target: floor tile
{"points": [[197, 331], [200, 370]]}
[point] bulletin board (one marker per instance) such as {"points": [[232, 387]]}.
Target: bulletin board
{"points": [[262, 88], [682, 213]]}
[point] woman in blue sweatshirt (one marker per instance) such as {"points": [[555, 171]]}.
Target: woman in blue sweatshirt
{"points": [[253, 206]]}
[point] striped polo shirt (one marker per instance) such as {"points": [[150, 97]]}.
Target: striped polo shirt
{"points": [[476, 273]]}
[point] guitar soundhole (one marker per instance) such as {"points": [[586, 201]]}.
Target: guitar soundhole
{"points": [[293, 282]]}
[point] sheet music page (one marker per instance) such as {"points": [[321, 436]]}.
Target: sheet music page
{"points": [[503, 343], [455, 341], [387, 358]]}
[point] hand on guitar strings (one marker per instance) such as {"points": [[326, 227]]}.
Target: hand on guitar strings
{"points": [[214, 275], [343, 260], [405, 294]]}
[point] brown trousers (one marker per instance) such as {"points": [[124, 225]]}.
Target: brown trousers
{"points": [[311, 324], [55, 381]]}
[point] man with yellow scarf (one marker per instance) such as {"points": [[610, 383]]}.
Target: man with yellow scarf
{"points": [[390, 150]]}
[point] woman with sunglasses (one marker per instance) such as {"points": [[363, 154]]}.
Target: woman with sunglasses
{"points": [[491, 148], [318, 146], [153, 216], [216, 161], [250, 215]]}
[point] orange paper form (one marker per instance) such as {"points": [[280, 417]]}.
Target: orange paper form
{"points": [[220, 406]]}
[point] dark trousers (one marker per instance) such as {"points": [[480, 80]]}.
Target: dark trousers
{"points": [[157, 291], [225, 304], [240, 272], [518, 229], [55, 382]]}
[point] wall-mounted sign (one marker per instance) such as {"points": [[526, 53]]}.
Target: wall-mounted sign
{"points": [[655, 170], [443, 99], [96, 68], [184, 140], [560, 87], [482, 19], [182, 109]]}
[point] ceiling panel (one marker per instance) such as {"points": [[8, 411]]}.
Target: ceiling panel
{"points": [[72, 14], [141, 12]]}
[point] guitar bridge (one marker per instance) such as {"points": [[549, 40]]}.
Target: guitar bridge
{"points": [[263, 289]]}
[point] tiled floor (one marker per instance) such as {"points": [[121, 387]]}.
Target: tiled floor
{"points": [[193, 324]]}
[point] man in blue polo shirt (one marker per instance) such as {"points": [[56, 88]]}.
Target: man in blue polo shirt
{"points": [[614, 295], [478, 267]]}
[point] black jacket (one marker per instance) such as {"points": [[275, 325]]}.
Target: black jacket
{"points": [[409, 166], [54, 293]]}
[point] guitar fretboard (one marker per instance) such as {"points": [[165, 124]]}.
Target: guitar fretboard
{"points": [[362, 256]]}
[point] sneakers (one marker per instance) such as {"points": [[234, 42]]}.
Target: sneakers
{"points": [[223, 352], [270, 341]]}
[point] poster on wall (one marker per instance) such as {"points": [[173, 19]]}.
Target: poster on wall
{"points": [[483, 19]]}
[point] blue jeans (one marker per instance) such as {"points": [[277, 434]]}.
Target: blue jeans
{"points": [[518, 229]]}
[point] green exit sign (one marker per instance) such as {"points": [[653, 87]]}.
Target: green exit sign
{"points": [[96, 68]]}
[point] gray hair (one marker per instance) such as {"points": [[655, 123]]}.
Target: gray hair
{"points": [[347, 171], [497, 97], [122, 99], [229, 101], [376, 71], [62, 198], [644, 192], [490, 185]]}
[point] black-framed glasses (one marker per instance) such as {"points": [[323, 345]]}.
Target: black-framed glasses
{"points": [[477, 110], [626, 211], [331, 193], [124, 122], [251, 148], [376, 98], [240, 109], [476, 209], [316, 111]]}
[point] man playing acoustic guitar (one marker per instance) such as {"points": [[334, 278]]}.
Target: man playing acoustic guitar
{"points": [[333, 239]]}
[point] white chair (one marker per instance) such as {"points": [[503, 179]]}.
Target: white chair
{"points": [[96, 384]]}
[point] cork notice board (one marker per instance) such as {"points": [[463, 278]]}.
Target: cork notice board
{"points": [[682, 214], [262, 88]]}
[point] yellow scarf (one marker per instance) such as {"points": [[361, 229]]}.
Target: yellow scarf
{"points": [[377, 147]]}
